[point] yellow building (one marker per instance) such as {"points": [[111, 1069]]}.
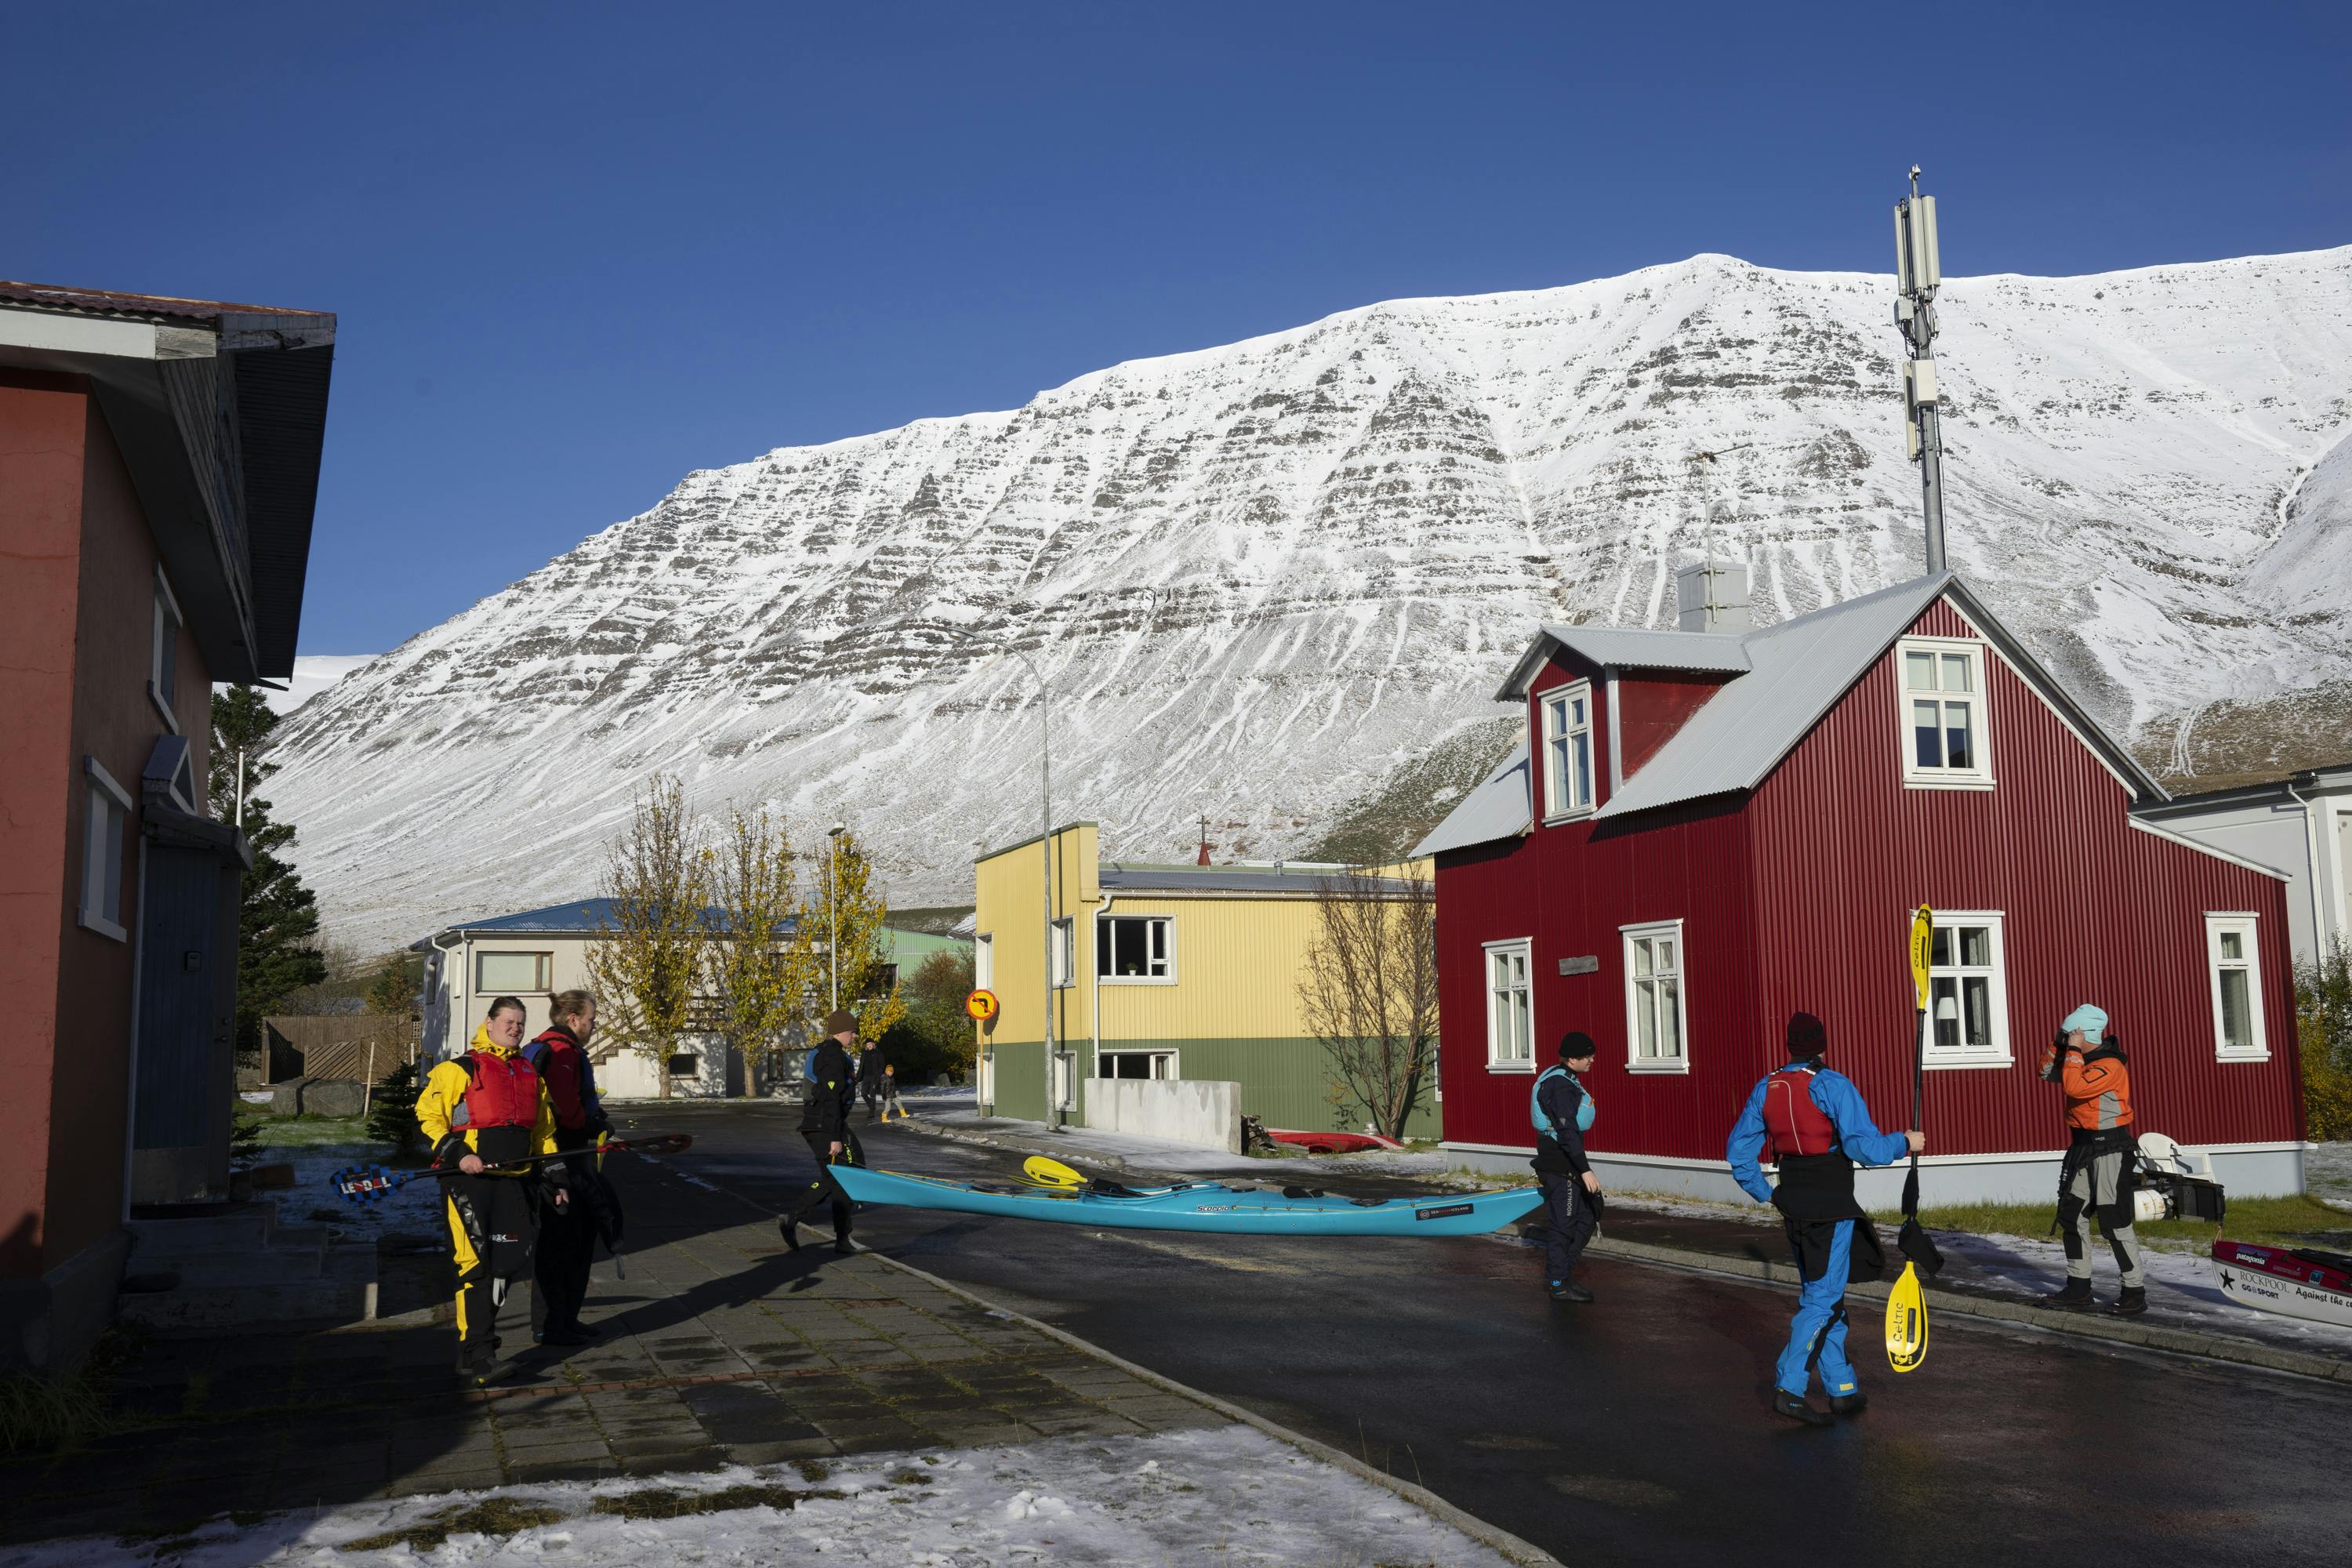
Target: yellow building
{"points": [[1160, 972]]}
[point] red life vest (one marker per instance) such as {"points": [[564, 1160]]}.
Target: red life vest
{"points": [[1795, 1124], [500, 1091]]}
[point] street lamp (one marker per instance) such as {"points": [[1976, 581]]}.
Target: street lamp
{"points": [[832, 909], [1045, 850]]}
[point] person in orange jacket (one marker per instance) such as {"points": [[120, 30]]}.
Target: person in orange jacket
{"points": [[2099, 1173]]}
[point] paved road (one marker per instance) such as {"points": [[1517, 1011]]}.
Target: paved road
{"points": [[1636, 1429]]}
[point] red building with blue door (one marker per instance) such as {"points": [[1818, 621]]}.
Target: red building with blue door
{"points": [[1706, 832]]}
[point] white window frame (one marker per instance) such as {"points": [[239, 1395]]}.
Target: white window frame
{"points": [[1651, 931], [2001, 1053], [165, 629], [1979, 774], [1523, 949], [1173, 1058], [1167, 924], [105, 841], [547, 965], [1064, 969], [983, 961], [1562, 801], [2247, 926]]}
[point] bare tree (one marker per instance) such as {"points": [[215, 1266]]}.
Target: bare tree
{"points": [[644, 967], [1368, 990]]}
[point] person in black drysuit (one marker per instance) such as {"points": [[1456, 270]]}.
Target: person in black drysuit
{"points": [[831, 1088], [872, 1082], [1562, 1113]]}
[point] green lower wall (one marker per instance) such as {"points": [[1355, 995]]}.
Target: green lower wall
{"points": [[1286, 1081]]}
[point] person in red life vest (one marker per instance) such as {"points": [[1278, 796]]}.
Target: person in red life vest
{"points": [[567, 1240], [1812, 1122], [493, 1214], [1562, 1113], [2100, 1174]]}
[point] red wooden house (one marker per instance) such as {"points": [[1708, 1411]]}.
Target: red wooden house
{"points": [[1706, 832]]}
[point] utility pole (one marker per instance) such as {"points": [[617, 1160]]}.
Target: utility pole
{"points": [[1917, 272]]}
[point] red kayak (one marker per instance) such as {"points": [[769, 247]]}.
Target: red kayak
{"points": [[2300, 1282], [1331, 1143]]}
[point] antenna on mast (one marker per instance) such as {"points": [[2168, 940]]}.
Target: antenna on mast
{"points": [[1918, 270]]}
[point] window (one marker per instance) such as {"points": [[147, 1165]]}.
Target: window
{"points": [[1157, 1065], [2236, 965], [517, 973], [106, 812], [1944, 714], [1968, 992], [983, 961], [1135, 949], [1568, 750], [163, 660], [1510, 1007], [1655, 1030], [1065, 937], [685, 1065]]}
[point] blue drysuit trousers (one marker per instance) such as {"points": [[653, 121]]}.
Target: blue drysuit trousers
{"points": [[1568, 1213], [1819, 1309]]}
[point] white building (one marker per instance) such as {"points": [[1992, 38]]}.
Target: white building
{"points": [[2302, 826]]}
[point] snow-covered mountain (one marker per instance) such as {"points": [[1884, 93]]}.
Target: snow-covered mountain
{"points": [[1267, 581]]}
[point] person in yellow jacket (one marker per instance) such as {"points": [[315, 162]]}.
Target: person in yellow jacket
{"points": [[480, 1109]]}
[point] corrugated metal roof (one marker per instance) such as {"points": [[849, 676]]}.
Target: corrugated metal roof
{"points": [[1629, 647], [1132, 879], [1796, 670], [113, 302], [583, 917], [1497, 808]]}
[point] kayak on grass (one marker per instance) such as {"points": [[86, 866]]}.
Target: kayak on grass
{"points": [[1199, 1206]]}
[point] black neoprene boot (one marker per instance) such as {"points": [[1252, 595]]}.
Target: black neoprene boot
{"points": [[790, 1229], [843, 1245], [1796, 1408], [1569, 1290], [2130, 1302], [1849, 1403], [2075, 1297]]}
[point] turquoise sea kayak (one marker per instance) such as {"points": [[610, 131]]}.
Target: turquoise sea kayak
{"points": [[1199, 1206]]}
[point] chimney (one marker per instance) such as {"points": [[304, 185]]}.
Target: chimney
{"points": [[1711, 597]]}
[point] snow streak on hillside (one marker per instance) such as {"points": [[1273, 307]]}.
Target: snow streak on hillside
{"points": [[1262, 578]]}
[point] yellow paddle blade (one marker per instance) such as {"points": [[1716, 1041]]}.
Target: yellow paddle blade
{"points": [[1051, 1173], [1906, 1322]]}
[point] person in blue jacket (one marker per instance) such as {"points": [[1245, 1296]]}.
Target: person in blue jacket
{"points": [[1562, 1112], [1812, 1122]]}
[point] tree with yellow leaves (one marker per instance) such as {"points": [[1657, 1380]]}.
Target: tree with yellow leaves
{"points": [[746, 961], [842, 948], [644, 967]]}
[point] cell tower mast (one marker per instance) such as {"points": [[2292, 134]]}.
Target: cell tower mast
{"points": [[1917, 272]]}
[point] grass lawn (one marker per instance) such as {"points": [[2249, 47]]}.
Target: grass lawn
{"points": [[282, 1131], [2295, 1220]]}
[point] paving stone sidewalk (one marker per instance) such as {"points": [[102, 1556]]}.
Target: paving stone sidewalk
{"points": [[718, 1348]]}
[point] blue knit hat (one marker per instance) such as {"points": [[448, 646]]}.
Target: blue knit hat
{"points": [[2090, 1018]]}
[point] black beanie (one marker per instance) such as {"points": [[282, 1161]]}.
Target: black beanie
{"points": [[1575, 1046], [1808, 1036]]}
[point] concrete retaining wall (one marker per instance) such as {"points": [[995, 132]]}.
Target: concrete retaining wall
{"points": [[1206, 1111]]}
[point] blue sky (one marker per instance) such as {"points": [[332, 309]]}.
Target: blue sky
{"points": [[580, 250]]}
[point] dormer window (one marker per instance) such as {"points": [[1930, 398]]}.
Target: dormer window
{"points": [[1567, 751], [1944, 726]]}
